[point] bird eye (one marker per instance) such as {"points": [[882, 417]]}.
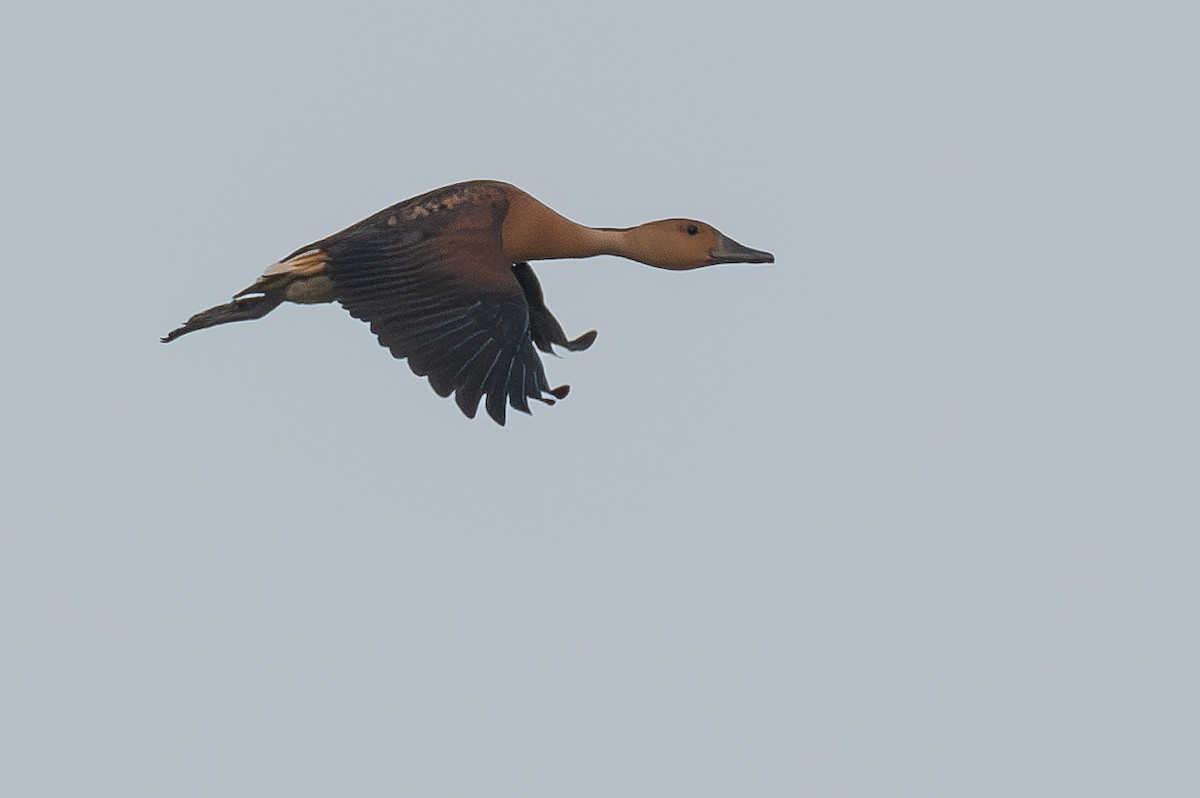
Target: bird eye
{"points": [[693, 229]]}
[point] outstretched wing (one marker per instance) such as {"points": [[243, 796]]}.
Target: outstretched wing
{"points": [[431, 278]]}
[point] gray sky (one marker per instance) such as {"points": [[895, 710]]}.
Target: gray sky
{"points": [[911, 512]]}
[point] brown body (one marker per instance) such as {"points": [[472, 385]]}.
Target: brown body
{"points": [[443, 279]]}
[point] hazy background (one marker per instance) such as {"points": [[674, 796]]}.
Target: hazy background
{"points": [[911, 512]]}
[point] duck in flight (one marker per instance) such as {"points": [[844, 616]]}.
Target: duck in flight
{"points": [[444, 281]]}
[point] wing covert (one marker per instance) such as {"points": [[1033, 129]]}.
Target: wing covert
{"points": [[431, 279]]}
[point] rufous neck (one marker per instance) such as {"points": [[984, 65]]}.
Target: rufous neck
{"points": [[606, 241], [533, 231]]}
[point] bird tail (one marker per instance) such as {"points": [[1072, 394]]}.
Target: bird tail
{"points": [[253, 303]]}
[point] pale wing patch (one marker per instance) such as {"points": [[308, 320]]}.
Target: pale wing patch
{"points": [[309, 263]]}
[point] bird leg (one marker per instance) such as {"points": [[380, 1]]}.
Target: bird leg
{"points": [[244, 308]]}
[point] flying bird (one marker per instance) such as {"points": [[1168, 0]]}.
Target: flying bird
{"points": [[444, 281]]}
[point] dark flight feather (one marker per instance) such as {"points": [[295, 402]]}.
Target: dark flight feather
{"points": [[437, 290]]}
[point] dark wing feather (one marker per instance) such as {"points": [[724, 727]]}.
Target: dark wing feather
{"points": [[543, 327], [431, 279]]}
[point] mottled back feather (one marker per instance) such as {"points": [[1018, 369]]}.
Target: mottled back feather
{"points": [[430, 277]]}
